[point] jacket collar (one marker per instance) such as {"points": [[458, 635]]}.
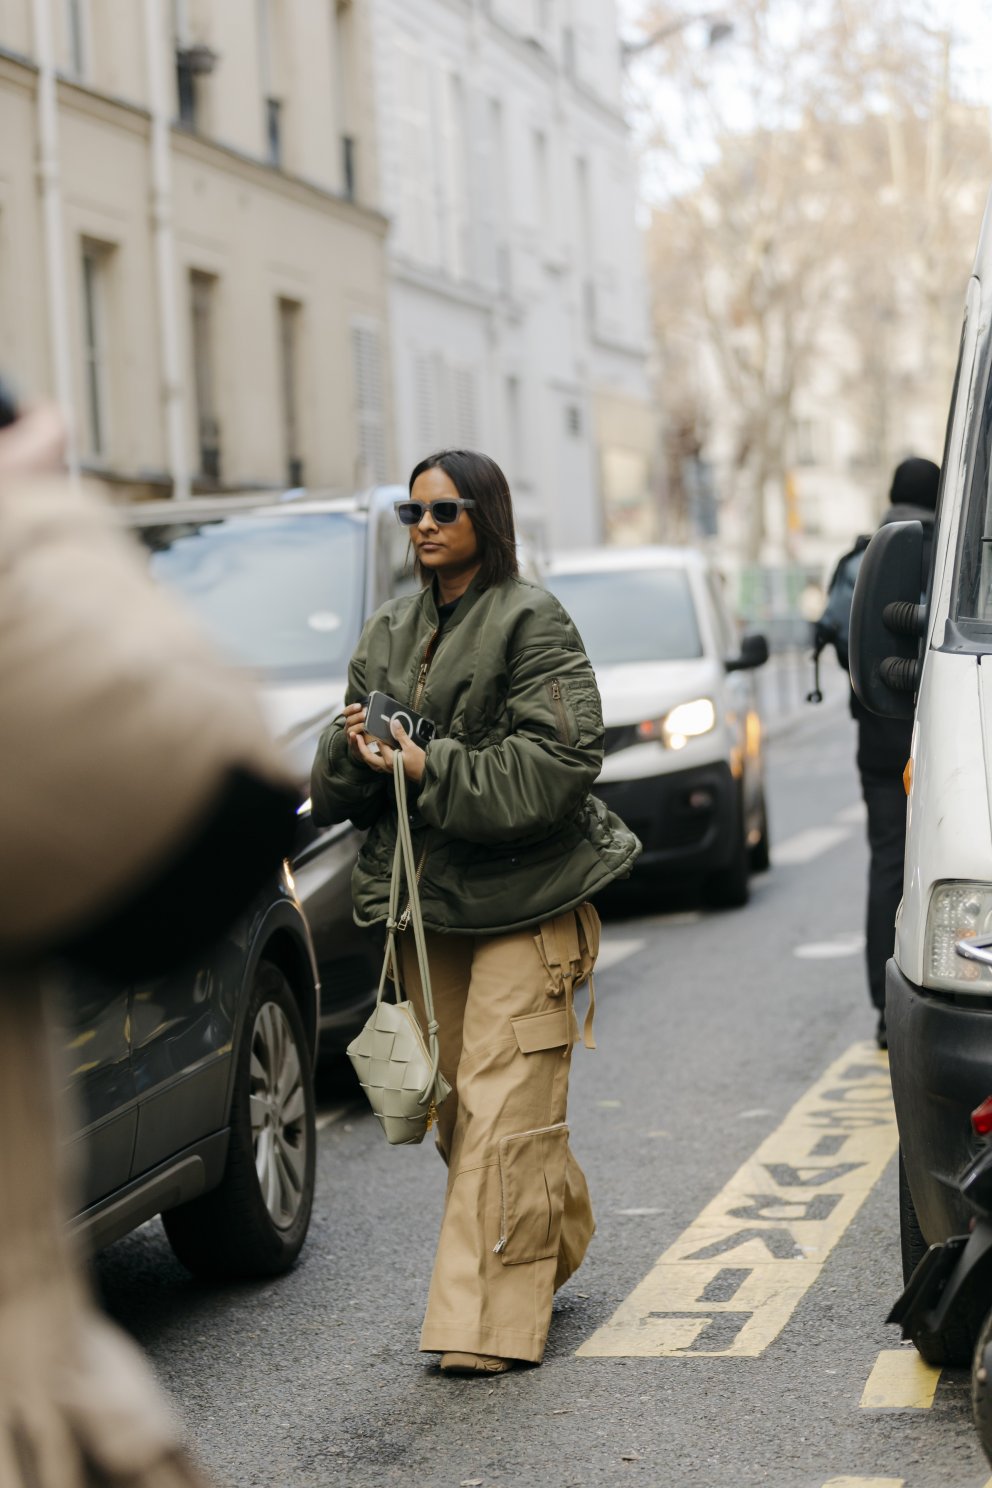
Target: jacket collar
{"points": [[468, 600]]}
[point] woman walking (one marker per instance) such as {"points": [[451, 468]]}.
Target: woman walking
{"points": [[509, 845]]}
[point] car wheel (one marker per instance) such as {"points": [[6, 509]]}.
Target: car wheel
{"points": [[955, 1343], [727, 888], [911, 1242], [254, 1223], [760, 853], [981, 1387]]}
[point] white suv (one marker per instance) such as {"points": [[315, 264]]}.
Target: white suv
{"points": [[684, 765]]}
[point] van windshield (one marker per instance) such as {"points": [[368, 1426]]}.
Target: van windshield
{"points": [[631, 615], [282, 594], [973, 590]]}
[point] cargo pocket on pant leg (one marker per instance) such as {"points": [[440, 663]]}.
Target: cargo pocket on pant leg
{"points": [[532, 1168]]}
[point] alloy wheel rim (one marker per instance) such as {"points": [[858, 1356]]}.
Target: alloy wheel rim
{"points": [[278, 1115]]}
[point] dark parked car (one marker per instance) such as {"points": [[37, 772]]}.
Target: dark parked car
{"points": [[194, 1096], [284, 587]]}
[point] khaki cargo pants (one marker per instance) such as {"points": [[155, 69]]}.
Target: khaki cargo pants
{"points": [[517, 1217]]}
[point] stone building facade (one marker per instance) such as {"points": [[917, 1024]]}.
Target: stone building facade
{"points": [[518, 301], [192, 254]]}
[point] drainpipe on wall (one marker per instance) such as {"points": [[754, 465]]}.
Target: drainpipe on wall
{"points": [[170, 369], [49, 178]]}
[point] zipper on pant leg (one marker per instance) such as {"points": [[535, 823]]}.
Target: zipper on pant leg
{"points": [[537, 1131]]}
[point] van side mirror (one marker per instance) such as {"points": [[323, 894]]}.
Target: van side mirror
{"points": [[753, 653], [888, 620]]}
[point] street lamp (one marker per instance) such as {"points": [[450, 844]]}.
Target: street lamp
{"points": [[718, 29]]}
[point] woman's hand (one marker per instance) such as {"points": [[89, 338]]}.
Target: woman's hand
{"points": [[354, 727], [414, 758], [377, 755]]}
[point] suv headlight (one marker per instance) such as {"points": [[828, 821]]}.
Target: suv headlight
{"points": [[683, 722], [958, 911]]}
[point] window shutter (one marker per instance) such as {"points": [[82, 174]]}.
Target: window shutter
{"points": [[369, 411]]}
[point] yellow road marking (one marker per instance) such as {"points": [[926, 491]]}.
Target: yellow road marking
{"points": [[900, 1380], [729, 1284], [865, 1483]]}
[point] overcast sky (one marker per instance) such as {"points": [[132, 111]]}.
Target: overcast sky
{"points": [[969, 22]]}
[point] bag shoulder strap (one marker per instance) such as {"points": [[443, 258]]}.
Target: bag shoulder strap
{"points": [[404, 866]]}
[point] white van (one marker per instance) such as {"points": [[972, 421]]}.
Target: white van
{"points": [[939, 983], [684, 766]]}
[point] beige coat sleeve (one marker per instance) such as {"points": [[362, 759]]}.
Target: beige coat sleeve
{"points": [[118, 723]]}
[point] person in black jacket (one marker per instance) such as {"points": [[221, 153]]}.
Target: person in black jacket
{"points": [[883, 752]]}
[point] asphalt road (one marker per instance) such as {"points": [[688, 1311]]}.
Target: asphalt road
{"points": [[711, 1028]]}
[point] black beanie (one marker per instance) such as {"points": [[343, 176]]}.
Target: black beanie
{"points": [[915, 484]]}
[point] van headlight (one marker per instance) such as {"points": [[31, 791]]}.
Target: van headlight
{"points": [[959, 910], [684, 722]]}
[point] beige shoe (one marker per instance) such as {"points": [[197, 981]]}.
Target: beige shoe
{"points": [[474, 1364]]}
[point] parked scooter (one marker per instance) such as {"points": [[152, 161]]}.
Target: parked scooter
{"points": [[946, 1308]]}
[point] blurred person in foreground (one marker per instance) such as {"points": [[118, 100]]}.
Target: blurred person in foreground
{"points": [[883, 743], [135, 773], [511, 845]]}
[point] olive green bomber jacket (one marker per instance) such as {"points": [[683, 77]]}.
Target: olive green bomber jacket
{"points": [[505, 828]]}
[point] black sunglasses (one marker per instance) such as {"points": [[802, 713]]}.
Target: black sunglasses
{"points": [[445, 511]]}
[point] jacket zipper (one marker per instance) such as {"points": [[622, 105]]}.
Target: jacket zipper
{"points": [[537, 1131], [425, 666], [559, 706]]}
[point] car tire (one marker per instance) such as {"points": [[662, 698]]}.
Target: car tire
{"points": [[760, 854], [912, 1244], [955, 1344], [981, 1387], [727, 888], [254, 1223]]}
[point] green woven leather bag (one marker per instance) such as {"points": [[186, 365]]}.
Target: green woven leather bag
{"points": [[396, 1066]]}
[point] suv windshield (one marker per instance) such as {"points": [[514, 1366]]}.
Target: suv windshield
{"points": [[626, 615], [280, 594]]}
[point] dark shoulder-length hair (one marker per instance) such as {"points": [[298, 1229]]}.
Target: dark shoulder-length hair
{"points": [[478, 478]]}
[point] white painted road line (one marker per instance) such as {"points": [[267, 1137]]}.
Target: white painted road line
{"points": [[807, 845], [328, 1118], [731, 1281], [853, 816], [828, 950], [612, 952]]}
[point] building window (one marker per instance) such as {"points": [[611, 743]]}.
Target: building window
{"points": [[348, 176], [203, 301], [76, 21], [428, 393], [346, 77], [95, 263], [273, 130], [192, 63], [418, 234], [465, 425], [290, 314], [542, 181], [514, 429], [454, 175], [369, 407], [568, 50]]}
